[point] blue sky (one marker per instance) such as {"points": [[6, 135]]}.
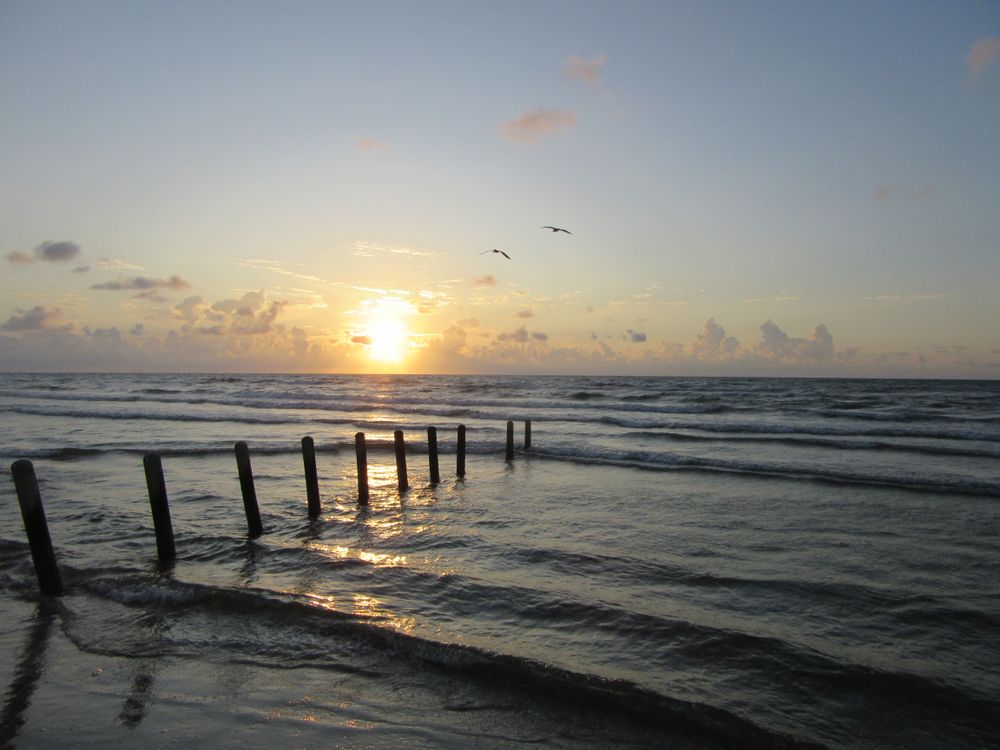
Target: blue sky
{"points": [[753, 188]]}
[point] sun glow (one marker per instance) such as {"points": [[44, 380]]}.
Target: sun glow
{"points": [[388, 340]]}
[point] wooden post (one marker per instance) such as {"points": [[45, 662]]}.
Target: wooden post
{"points": [[510, 442], [404, 483], [312, 483], [158, 504], [361, 449], [527, 434], [254, 526], [460, 452], [37, 528], [432, 454]]}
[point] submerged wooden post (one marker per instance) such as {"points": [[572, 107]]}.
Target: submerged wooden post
{"points": [[510, 442], [158, 504], [312, 483], [404, 483], [254, 526], [432, 454], [37, 528], [527, 434], [361, 449], [460, 452]]}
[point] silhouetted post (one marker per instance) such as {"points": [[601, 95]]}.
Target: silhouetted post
{"points": [[254, 525], [527, 434], [460, 452], [158, 504], [404, 483], [312, 483], [510, 442], [361, 449], [30, 500], [432, 454]]}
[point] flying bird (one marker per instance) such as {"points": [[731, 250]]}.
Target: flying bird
{"points": [[557, 229], [496, 251]]}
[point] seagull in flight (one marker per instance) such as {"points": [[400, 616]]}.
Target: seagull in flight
{"points": [[557, 229], [496, 251]]}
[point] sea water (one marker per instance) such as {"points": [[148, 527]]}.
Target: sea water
{"points": [[677, 562]]}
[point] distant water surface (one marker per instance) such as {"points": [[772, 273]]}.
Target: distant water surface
{"points": [[717, 562]]}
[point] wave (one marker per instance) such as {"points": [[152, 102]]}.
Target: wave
{"points": [[290, 618], [947, 484], [821, 442]]}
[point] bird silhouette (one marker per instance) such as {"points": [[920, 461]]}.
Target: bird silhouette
{"points": [[557, 229], [496, 251]]}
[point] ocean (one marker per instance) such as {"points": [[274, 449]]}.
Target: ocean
{"points": [[675, 562]]}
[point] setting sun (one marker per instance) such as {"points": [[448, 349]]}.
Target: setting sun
{"points": [[388, 340]]}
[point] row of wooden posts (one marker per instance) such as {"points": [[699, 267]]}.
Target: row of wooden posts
{"points": [[30, 499]]}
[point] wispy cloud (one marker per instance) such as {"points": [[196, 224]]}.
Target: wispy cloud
{"points": [[117, 264], [588, 71], [636, 337], [47, 252], [372, 249], [903, 297], [486, 280], [371, 144], [526, 313], [983, 54], [143, 283], [537, 124], [889, 192], [278, 266]]}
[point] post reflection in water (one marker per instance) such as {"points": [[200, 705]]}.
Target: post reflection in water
{"points": [[134, 709], [27, 673]]}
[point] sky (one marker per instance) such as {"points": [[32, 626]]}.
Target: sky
{"points": [[752, 188]]}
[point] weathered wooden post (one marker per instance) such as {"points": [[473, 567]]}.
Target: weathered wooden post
{"points": [[158, 504], [312, 483], [510, 442], [361, 449], [527, 434], [37, 528], [404, 483], [254, 526], [460, 452], [432, 454]]}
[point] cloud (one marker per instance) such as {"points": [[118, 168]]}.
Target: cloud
{"points": [[81, 269], [468, 323], [712, 343], [888, 193], [537, 124], [18, 256], [983, 54], [526, 313], [57, 252], [588, 71], [903, 297], [777, 345], [37, 318], [366, 340], [117, 264], [47, 252], [519, 336], [143, 283], [636, 337], [485, 280], [538, 336], [249, 315], [370, 144]]}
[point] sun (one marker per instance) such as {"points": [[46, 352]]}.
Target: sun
{"points": [[388, 341]]}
